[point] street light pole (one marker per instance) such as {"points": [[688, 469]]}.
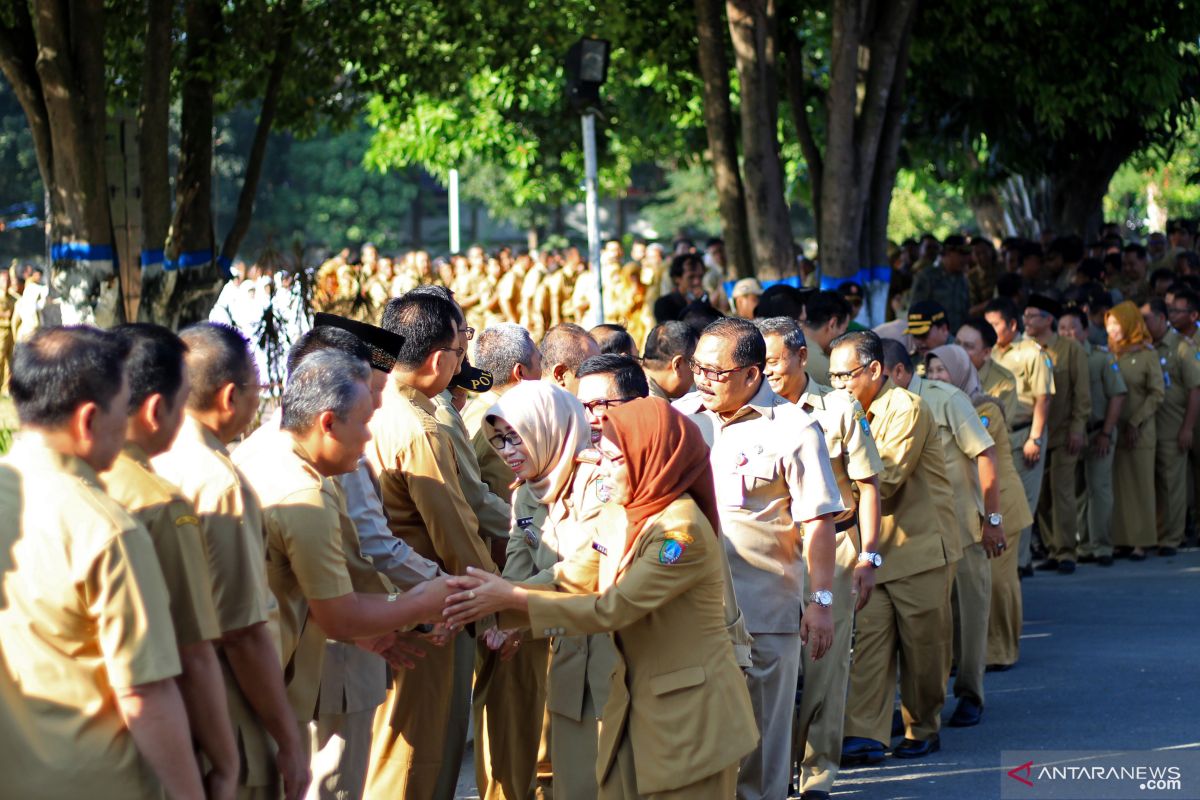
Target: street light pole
{"points": [[591, 182]]}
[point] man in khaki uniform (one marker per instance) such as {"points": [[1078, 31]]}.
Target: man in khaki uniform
{"points": [[159, 390], [777, 497], [826, 317], [1107, 389], [1033, 369], [908, 610], [973, 470], [1175, 423], [564, 348], [88, 701], [222, 403], [856, 466], [667, 360], [978, 338], [422, 494], [8, 302], [1183, 311]]}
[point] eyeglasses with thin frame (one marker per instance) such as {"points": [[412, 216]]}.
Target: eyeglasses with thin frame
{"points": [[842, 377], [718, 375], [1035, 313], [592, 405], [458, 351], [470, 332], [500, 439]]}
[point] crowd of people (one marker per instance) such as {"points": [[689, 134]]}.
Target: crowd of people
{"points": [[689, 554]]}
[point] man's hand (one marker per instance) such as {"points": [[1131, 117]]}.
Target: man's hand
{"points": [[1076, 443], [993, 540], [816, 630], [376, 644], [507, 642], [439, 636], [1130, 435], [1101, 445], [1185, 439], [864, 584], [1032, 451], [292, 764], [405, 650]]}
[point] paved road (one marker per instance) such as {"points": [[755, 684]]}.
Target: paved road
{"points": [[1110, 660]]}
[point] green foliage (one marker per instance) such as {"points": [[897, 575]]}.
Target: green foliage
{"points": [[923, 204], [22, 183], [1171, 174], [688, 202]]}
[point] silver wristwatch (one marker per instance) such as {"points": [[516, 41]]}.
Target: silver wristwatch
{"points": [[874, 559], [822, 598], [995, 520]]}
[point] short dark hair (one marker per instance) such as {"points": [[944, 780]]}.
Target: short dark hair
{"points": [[825, 306], [679, 264], [1157, 305], [326, 337], [868, 346], [1161, 274], [895, 353], [1004, 307], [749, 347], [1188, 296], [699, 315], [437, 290], [155, 361], [1070, 247], [780, 300], [61, 368], [1098, 298], [1135, 248], [217, 356], [1092, 269], [559, 346], [1008, 286], [627, 374], [1191, 257], [986, 331], [614, 338], [669, 340], [1076, 312], [426, 320], [785, 328]]}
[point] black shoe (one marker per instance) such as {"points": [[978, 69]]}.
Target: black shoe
{"points": [[1049, 565], [814, 794], [1104, 561], [1066, 567], [897, 723], [1025, 572], [1167, 552], [998, 667], [858, 751], [967, 713], [1122, 552], [1087, 559], [914, 748]]}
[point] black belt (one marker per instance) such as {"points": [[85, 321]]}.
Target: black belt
{"points": [[1095, 426], [846, 524], [1022, 426]]}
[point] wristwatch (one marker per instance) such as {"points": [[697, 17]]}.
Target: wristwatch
{"points": [[1041, 440], [822, 598], [995, 520], [874, 559]]}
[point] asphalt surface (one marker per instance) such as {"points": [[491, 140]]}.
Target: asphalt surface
{"points": [[1110, 661]]}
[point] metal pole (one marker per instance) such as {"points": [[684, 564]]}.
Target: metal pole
{"points": [[454, 232], [593, 220]]}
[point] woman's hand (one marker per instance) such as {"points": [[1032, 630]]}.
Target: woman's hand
{"points": [[481, 593]]}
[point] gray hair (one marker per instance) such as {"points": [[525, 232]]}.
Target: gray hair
{"points": [[501, 347], [326, 380], [785, 328]]}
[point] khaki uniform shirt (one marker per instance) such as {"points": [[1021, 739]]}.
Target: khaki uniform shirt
{"points": [[1104, 378], [492, 512], [1180, 363], [998, 382], [83, 611], [232, 526], [656, 390], [817, 366], [1033, 370], [1072, 400], [419, 481], [492, 469], [1014, 505], [1144, 378], [916, 497], [175, 530], [963, 438], [852, 452], [772, 474]]}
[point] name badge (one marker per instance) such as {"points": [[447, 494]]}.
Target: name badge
{"points": [[599, 548]]}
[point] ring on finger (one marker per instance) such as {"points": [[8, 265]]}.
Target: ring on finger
{"points": [[471, 595]]}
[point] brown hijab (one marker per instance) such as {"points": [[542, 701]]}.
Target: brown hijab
{"points": [[666, 456], [1133, 327]]}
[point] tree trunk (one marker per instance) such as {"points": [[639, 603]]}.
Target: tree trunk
{"points": [[989, 215], [752, 28], [154, 164], [797, 92], [883, 181], [840, 223], [722, 137], [192, 227]]}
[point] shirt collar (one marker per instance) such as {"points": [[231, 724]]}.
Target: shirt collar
{"points": [[419, 399], [137, 454], [31, 450], [196, 431]]}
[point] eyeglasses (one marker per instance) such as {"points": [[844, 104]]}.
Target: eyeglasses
{"points": [[718, 375], [458, 351], [842, 377], [1183, 310], [592, 405], [1031, 313], [470, 332], [499, 440]]}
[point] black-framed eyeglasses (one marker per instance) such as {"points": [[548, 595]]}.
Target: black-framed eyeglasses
{"points": [[718, 375], [500, 439], [842, 377], [470, 332], [592, 405], [458, 351]]}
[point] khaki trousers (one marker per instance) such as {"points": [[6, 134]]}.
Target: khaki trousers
{"points": [[1057, 511], [621, 781], [1005, 610], [509, 710], [972, 606], [771, 679], [341, 748], [6, 354], [1170, 492], [1095, 503], [573, 746], [1031, 482], [421, 727], [822, 712], [905, 625], [1133, 497]]}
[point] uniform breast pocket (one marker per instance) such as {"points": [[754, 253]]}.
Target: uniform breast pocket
{"points": [[760, 474]]}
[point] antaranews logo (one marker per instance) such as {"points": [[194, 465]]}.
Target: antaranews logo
{"points": [[1092, 775]]}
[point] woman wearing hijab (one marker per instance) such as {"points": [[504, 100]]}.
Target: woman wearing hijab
{"points": [[950, 363], [539, 430], [1133, 463], [678, 718]]}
